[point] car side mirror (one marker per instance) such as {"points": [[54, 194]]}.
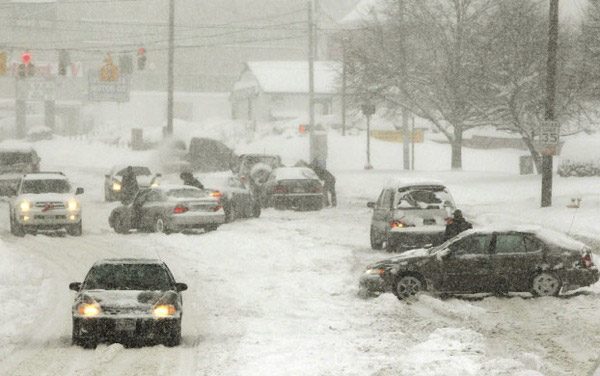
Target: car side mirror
{"points": [[371, 205], [79, 191], [75, 286], [180, 287]]}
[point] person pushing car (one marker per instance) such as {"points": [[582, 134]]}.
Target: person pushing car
{"points": [[456, 225]]}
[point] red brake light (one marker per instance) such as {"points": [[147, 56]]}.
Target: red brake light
{"points": [[279, 189], [216, 194], [217, 208], [180, 209], [396, 223], [586, 261]]}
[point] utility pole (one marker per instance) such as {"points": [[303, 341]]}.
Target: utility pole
{"points": [[311, 82], [170, 73], [405, 129], [344, 84], [550, 99]]}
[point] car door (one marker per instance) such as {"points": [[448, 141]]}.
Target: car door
{"points": [[152, 207], [466, 267], [382, 211], [515, 258]]}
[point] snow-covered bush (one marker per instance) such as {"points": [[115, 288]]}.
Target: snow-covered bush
{"points": [[580, 156]]}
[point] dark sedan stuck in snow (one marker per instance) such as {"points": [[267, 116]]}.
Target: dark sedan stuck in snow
{"points": [[293, 188], [533, 260], [127, 300], [169, 208]]}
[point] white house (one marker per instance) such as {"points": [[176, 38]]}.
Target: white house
{"points": [[272, 90]]}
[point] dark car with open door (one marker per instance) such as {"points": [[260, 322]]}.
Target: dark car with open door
{"points": [[493, 260]]}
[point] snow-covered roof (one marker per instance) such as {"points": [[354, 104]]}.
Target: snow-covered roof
{"points": [[365, 10], [292, 173], [128, 261], [291, 77], [45, 176], [409, 182]]}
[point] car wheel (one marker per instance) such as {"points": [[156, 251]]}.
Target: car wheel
{"points": [[173, 336], [120, 226], [75, 230], [15, 228], [545, 284], [160, 225], [408, 286], [76, 340], [256, 210], [375, 243]]}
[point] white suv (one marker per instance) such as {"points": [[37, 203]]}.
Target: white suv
{"points": [[45, 201]]}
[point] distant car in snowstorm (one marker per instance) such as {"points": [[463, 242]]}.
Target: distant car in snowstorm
{"points": [[410, 213], [496, 260], [127, 300], [237, 199], [114, 179], [293, 188], [15, 161], [167, 209]]}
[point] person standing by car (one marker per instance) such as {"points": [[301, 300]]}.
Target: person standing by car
{"points": [[456, 225], [328, 182], [189, 179], [129, 185]]}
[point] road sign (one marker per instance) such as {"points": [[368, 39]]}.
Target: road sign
{"points": [[31, 89], [547, 140], [108, 91]]}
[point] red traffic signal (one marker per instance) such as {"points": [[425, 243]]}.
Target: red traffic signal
{"points": [[141, 51], [26, 58]]}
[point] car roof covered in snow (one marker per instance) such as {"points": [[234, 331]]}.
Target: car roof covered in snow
{"points": [[293, 173], [409, 182], [138, 261], [45, 176], [170, 187], [16, 149], [548, 236]]}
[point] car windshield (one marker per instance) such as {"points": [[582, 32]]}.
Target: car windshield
{"points": [[10, 158], [150, 277], [46, 186], [137, 171], [425, 198], [186, 193]]}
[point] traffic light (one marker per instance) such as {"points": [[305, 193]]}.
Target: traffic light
{"points": [[141, 58], [64, 61], [109, 71], [3, 59], [26, 68]]}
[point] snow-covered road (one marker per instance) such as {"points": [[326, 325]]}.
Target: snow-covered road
{"points": [[278, 295]]}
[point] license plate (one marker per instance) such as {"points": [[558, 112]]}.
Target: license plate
{"points": [[127, 325]]}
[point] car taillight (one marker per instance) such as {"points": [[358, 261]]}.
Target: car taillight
{"points": [[586, 261], [180, 209], [279, 189], [216, 194], [396, 223], [217, 208], [317, 189]]}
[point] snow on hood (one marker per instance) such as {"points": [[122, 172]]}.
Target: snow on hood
{"points": [[124, 298], [408, 255], [37, 197]]}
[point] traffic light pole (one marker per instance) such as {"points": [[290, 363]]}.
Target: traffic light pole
{"points": [[170, 73], [311, 82], [550, 100]]}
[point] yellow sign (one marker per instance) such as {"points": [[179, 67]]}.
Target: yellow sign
{"points": [[418, 136], [109, 71], [3, 60]]}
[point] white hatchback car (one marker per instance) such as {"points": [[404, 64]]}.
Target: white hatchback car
{"points": [[410, 214], [45, 201]]}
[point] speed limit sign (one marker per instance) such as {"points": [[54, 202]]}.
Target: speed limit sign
{"points": [[549, 133]]}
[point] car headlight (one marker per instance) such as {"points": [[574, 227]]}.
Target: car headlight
{"points": [[116, 186], [72, 204], [375, 271], [25, 206], [89, 310], [155, 183], [164, 310]]}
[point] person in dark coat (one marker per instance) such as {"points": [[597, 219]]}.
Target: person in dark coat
{"points": [[129, 185], [456, 225], [189, 179], [328, 182]]}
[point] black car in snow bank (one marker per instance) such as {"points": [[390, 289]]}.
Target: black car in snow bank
{"points": [[497, 260], [127, 300]]}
